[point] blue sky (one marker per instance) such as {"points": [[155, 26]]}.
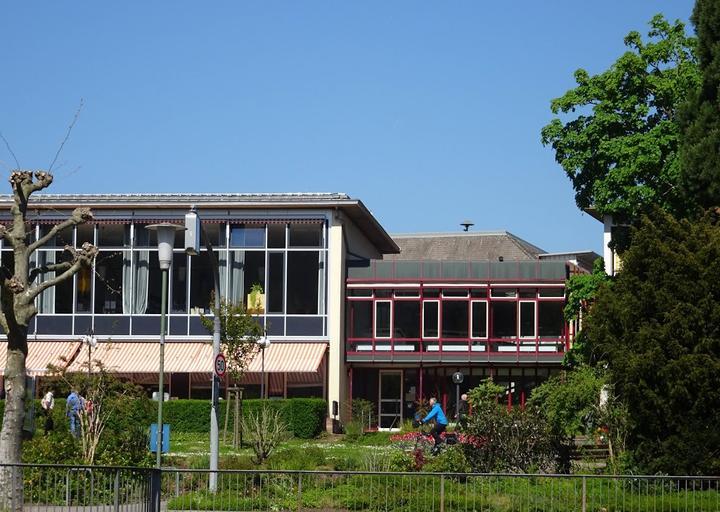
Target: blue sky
{"points": [[428, 112]]}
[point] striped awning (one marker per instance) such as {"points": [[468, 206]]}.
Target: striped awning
{"points": [[129, 357], [43, 353], [288, 357]]}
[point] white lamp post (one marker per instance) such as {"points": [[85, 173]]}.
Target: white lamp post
{"points": [[91, 342], [166, 238], [264, 343]]}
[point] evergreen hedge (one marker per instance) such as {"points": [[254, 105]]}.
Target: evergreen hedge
{"points": [[305, 417]]}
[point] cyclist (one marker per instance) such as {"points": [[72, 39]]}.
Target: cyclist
{"points": [[441, 423]]}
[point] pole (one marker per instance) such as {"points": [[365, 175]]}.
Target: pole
{"points": [[161, 384], [89, 359], [262, 374], [457, 402], [215, 398]]}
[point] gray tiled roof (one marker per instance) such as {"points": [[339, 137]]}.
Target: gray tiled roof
{"points": [[471, 246]]}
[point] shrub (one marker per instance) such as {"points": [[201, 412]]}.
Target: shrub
{"points": [[296, 458], [266, 430], [305, 416], [353, 431], [451, 460]]}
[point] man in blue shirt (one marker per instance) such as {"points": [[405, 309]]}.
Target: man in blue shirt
{"points": [[441, 423], [73, 406]]}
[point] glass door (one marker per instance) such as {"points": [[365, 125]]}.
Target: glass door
{"points": [[390, 410]]}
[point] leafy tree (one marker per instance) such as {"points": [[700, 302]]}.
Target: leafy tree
{"points": [[617, 134], [701, 141], [239, 334], [657, 331], [19, 287]]}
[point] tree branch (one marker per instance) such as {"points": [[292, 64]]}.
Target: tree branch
{"points": [[53, 267], [79, 216], [81, 257]]}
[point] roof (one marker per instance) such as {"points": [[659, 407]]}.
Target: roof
{"points": [[354, 209], [470, 246]]}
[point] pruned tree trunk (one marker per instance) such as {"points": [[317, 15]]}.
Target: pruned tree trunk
{"points": [[18, 291]]}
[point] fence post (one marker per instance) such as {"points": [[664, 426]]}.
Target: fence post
{"points": [[116, 501], [299, 506], [584, 494], [442, 493], [155, 481]]}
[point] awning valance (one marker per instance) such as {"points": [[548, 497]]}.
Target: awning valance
{"points": [[43, 353], [288, 357]]}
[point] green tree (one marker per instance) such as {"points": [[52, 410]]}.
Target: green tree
{"points": [[239, 334], [656, 330], [617, 134], [701, 120]]}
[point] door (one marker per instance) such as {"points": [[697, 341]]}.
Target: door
{"points": [[390, 404]]}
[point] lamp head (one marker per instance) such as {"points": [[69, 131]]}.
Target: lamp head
{"points": [[166, 240], [264, 342]]}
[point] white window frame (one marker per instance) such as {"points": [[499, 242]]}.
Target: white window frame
{"points": [[375, 323], [439, 327], [487, 319]]}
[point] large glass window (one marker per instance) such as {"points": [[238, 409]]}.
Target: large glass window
{"points": [[247, 236], [550, 319], [276, 280], [407, 319], [276, 236], [58, 298], [83, 288], [504, 319], [302, 282], [455, 319], [113, 235], [431, 313], [254, 267], [61, 239], [201, 283], [382, 319], [527, 319], [479, 319], [110, 270], [305, 235], [361, 319], [178, 304]]}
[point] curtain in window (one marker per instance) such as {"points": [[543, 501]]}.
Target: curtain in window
{"points": [[237, 273], [47, 297], [321, 283], [141, 288], [127, 283], [222, 271]]}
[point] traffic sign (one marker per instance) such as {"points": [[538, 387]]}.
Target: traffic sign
{"points": [[457, 378], [220, 366]]}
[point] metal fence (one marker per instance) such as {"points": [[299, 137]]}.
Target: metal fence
{"points": [[107, 488]]}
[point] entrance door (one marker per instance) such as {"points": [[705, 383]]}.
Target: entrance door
{"points": [[390, 409]]}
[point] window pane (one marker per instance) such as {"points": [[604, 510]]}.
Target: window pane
{"points": [[110, 269], [455, 319], [430, 319], [503, 292], [215, 233], [479, 319], [302, 282], [243, 236], [407, 319], [154, 291], [382, 319], [178, 304], [552, 292], [455, 292], [254, 268], [361, 319], [85, 233], [504, 318], [61, 239], [83, 280], [113, 235], [201, 283], [527, 319], [306, 235], [276, 260], [550, 319], [57, 299], [276, 235]]}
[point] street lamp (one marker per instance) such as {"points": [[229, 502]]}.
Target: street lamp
{"points": [[193, 227], [263, 343], [91, 341], [165, 238]]}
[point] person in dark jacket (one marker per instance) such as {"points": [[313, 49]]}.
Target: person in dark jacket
{"points": [[436, 413], [462, 412]]}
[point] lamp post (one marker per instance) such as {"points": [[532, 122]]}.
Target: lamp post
{"points": [[91, 341], [165, 238], [193, 228], [264, 343]]}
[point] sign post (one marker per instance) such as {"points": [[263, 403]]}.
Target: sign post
{"points": [[457, 379]]}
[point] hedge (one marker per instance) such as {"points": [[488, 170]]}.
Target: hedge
{"points": [[305, 417]]}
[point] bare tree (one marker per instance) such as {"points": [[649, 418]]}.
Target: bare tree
{"points": [[18, 291]]}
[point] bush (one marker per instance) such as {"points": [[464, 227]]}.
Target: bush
{"points": [[295, 458], [451, 460]]}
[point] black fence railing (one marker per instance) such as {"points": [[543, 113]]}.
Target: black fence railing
{"points": [[55, 488]]}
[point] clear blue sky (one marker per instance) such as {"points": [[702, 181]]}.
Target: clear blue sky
{"points": [[429, 112]]}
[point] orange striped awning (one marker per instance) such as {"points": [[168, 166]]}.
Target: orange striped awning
{"points": [[130, 357], [287, 357], [41, 354]]}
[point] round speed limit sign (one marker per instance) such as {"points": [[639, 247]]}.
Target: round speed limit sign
{"points": [[220, 365]]}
